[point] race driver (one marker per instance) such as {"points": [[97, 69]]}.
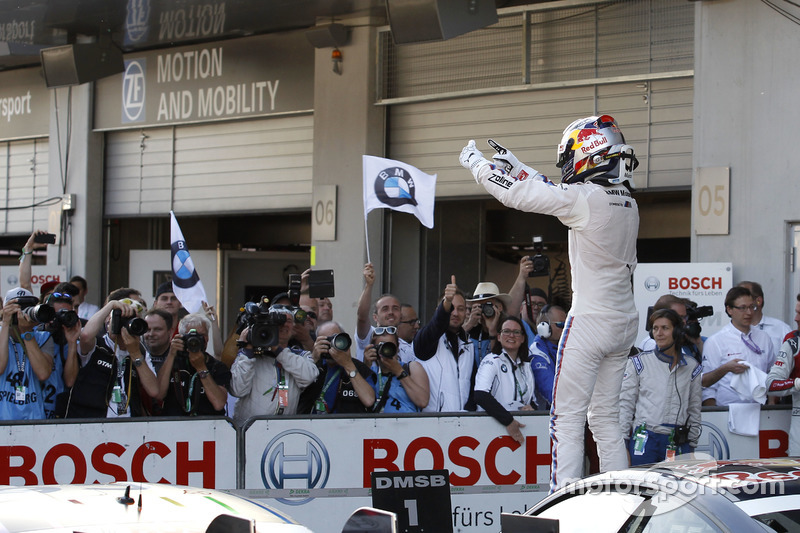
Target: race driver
{"points": [[783, 378], [594, 201]]}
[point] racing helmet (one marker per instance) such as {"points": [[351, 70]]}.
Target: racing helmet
{"points": [[594, 148]]}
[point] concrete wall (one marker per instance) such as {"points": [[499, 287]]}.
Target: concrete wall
{"points": [[746, 112]]}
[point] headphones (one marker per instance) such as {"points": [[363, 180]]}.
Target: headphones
{"points": [[678, 331], [543, 328]]}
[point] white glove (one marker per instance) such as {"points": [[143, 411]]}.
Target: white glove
{"points": [[508, 162], [472, 159], [796, 383]]}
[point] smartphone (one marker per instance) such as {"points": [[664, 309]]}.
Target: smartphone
{"points": [[47, 238], [320, 284]]}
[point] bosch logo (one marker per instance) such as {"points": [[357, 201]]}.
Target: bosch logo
{"points": [[133, 91], [713, 442], [695, 283], [295, 459], [652, 284]]}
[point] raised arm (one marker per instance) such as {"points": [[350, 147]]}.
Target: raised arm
{"points": [[364, 302]]}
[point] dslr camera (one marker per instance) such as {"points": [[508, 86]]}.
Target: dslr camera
{"points": [[34, 311], [340, 341], [264, 324], [66, 318], [136, 326], [541, 263], [193, 342], [487, 309]]}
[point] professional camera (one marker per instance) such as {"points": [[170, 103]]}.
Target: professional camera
{"points": [[693, 316], [487, 309], [541, 263], [193, 342], [264, 324], [386, 349], [66, 318], [34, 311], [136, 326], [340, 341]]}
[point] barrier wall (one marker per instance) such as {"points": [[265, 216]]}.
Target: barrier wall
{"points": [[318, 469]]}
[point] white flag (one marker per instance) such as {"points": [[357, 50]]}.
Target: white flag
{"points": [[390, 184], [185, 282]]}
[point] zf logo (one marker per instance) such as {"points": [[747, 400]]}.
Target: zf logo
{"points": [[133, 91]]}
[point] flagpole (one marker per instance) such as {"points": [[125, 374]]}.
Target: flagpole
{"points": [[366, 235]]}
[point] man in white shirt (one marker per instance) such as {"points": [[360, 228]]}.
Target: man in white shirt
{"points": [[726, 351], [776, 329]]}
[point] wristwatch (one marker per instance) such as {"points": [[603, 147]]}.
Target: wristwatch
{"points": [[138, 362], [27, 336], [202, 374], [403, 374], [353, 373]]}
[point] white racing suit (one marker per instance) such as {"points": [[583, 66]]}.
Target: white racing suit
{"points": [[780, 382], [602, 324]]}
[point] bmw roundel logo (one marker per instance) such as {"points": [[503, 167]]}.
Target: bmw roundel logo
{"points": [[652, 283], [295, 459], [133, 91]]}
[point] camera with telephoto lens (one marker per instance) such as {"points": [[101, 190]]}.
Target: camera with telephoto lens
{"points": [[541, 263], [33, 311], [264, 323], [193, 342], [340, 341], [136, 326], [386, 349], [487, 309], [693, 316], [66, 318]]}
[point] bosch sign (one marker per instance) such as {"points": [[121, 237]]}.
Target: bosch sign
{"points": [[23, 462], [695, 283], [384, 454]]}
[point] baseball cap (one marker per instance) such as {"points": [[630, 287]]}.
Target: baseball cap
{"points": [[536, 291], [18, 292], [48, 287], [164, 287]]}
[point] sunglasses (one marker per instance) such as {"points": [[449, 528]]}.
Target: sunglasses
{"points": [[380, 330], [59, 296], [412, 322]]}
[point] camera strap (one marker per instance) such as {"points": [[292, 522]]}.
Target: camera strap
{"points": [[321, 405], [383, 396]]}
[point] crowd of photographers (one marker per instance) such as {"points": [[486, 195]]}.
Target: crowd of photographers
{"points": [[487, 351]]}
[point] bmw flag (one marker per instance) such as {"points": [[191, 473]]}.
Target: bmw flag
{"points": [[185, 282], [398, 186]]}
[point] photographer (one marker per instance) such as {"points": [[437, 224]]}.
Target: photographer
{"points": [[342, 385], [23, 364], [399, 387], [62, 344], [661, 395], [483, 319], [113, 365], [268, 379], [191, 382]]}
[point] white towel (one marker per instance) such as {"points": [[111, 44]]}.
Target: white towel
{"points": [[744, 418], [751, 385]]}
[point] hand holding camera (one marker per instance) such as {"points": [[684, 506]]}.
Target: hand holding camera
{"points": [[336, 347]]}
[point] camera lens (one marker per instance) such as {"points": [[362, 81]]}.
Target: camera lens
{"points": [[67, 317], [386, 349], [341, 341], [487, 309], [136, 326]]}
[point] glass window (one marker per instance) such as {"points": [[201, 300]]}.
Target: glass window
{"points": [[593, 511]]}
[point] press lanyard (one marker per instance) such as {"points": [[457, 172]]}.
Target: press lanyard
{"points": [[321, 406], [20, 390], [751, 344], [282, 390], [516, 382]]}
